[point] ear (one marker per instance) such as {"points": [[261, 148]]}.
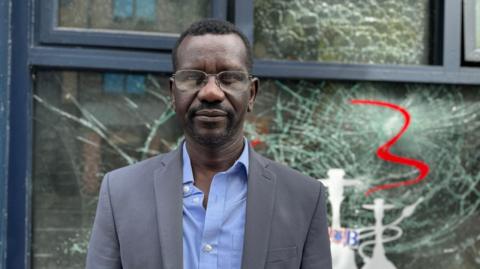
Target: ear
{"points": [[254, 86], [172, 95]]}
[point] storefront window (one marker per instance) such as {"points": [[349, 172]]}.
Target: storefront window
{"points": [[354, 31], [88, 123], [163, 16], [315, 128]]}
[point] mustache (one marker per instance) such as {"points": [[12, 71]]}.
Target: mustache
{"points": [[204, 105]]}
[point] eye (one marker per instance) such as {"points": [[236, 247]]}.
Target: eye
{"points": [[192, 76], [230, 77]]}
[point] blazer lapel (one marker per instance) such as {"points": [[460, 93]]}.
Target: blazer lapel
{"points": [[168, 195], [260, 201]]}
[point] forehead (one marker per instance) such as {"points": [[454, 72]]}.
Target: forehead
{"points": [[212, 51]]}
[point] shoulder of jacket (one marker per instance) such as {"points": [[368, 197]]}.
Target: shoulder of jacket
{"points": [[289, 175], [137, 170]]}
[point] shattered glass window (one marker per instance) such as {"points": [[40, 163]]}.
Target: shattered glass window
{"points": [[88, 123], [354, 31], [322, 129], [165, 16]]}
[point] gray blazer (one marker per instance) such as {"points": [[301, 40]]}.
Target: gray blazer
{"points": [[138, 224]]}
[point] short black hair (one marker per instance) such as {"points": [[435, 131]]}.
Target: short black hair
{"points": [[216, 27]]}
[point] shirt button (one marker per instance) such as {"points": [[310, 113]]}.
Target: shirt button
{"points": [[196, 200], [207, 248], [186, 189]]}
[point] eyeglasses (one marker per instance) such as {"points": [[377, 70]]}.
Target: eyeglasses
{"points": [[194, 80]]}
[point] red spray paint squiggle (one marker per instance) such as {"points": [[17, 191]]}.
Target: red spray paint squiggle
{"points": [[383, 152]]}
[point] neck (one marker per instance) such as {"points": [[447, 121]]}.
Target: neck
{"points": [[214, 158]]}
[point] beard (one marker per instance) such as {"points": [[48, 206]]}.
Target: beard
{"points": [[216, 134]]}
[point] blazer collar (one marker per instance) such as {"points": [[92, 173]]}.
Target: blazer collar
{"points": [[260, 202], [168, 198]]}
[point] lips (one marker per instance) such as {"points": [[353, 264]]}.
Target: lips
{"points": [[211, 116], [211, 113]]}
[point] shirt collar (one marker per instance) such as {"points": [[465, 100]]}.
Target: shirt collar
{"points": [[187, 166]]}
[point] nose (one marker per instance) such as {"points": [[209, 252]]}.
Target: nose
{"points": [[211, 92]]}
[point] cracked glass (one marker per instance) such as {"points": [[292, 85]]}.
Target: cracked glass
{"points": [[88, 123], [164, 16], [353, 31]]}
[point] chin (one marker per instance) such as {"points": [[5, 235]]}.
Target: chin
{"points": [[211, 140], [212, 137]]}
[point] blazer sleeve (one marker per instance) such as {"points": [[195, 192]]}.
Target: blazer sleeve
{"points": [[103, 249], [316, 252]]}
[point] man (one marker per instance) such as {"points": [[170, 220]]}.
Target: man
{"points": [[213, 202]]}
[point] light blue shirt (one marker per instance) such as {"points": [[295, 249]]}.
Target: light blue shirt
{"points": [[213, 238]]}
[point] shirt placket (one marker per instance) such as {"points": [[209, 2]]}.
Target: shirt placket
{"points": [[194, 213], [213, 222]]}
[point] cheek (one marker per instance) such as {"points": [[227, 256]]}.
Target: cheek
{"points": [[240, 101], [182, 102]]}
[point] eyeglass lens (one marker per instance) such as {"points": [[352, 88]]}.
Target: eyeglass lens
{"points": [[195, 79]]}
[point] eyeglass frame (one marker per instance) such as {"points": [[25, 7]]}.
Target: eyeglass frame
{"points": [[249, 76]]}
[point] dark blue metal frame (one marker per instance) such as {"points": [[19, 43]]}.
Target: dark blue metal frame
{"points": [[50, 34], [449, 72], [447, 56], [99, 59], [54, 57], [452, 36], [244, 17], [5, 56], [365, 72], [54, 51], [18, 209]]}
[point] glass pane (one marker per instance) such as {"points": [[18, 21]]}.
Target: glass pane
{"points": [[353, 31], [477, 24], [315, 128], [165, 16], [88, 123]]}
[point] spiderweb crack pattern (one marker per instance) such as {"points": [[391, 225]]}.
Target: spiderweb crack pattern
{"points": [[313, 128]]}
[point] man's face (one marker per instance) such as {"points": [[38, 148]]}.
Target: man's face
{"points": [[211, 115]]}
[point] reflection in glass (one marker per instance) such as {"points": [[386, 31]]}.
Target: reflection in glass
{"points": [[315, 128], [353, 31], [88, 123], [477, 23], [163, 16]]}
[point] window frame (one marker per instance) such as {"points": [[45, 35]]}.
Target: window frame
{"points": [[18, 209], [447, 50], [5, 58], [449, 70], [69, 50], [49, 33]]}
